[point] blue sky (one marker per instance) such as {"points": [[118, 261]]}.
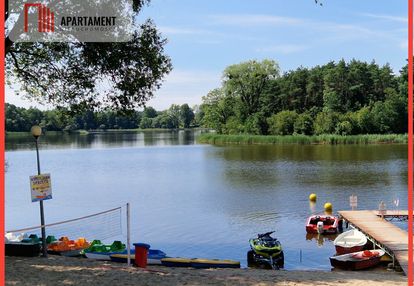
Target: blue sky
{"points": [[205, 36]]}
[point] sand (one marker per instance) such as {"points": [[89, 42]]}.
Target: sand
{"points": [[57, 270]]}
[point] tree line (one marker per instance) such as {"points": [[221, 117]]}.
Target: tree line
{"points": [[20, 119], [342, 98]]}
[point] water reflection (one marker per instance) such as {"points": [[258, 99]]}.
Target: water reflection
{"points": [[325, 154], [312, 207], [320, 238], [58, 140]]}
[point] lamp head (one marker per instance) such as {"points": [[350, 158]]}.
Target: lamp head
{"points": [[36, 131]]}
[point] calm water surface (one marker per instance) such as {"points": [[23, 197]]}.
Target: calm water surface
{"points": [[199, 200]]}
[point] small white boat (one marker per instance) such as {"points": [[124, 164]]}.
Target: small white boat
{"points": [[101, 255], [350, 241], [12, 237]]}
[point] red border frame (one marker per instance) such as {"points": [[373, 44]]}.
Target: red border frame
{"points": [[2, 142], [410, 142]]}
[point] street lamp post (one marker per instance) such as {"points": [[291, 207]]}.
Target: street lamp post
{"points": [[36, 132]]}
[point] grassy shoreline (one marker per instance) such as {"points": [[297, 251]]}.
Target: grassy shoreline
{"points": [[219, 139]]}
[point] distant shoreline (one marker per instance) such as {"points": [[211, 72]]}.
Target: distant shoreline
{"points": [[83, 131], [327, 139]]}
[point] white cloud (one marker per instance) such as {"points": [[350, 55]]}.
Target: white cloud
{"points": [[386, 17], [185, 86], [252, 19], [283, 49], [169, 30], [188, 77]]}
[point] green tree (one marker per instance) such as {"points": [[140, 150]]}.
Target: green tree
{"points": [[332, 101], [336, 92], [198, 115], [186, 115], [364, 120], [325, 122], [343, 128], [54, 120], [233, 126], [149, 112], [70, 74], [303, 124], [256, 124], [247, 81], [282, 123], [145, 123], [217, 109], [173, 116]]}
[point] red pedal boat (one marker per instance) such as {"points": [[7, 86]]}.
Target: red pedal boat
{"points": [[357, 260], [323, 224]]}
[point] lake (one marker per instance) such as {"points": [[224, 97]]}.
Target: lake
{"points": [[194, 200]]}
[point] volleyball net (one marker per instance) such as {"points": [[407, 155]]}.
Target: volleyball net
{"points": [[104, 225]]}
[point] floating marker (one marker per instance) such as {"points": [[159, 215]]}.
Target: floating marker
{"points": [[328, 207]]}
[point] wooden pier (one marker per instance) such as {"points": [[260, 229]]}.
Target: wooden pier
{"points": [[385, 235], [391, 214]]}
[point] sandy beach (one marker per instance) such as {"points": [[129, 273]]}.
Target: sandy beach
{"points": [[57, 270]]}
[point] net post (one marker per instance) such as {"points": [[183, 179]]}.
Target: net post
{"points": [[128, 235]]}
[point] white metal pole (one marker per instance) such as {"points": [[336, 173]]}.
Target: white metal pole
{"points": [[128, 236]]}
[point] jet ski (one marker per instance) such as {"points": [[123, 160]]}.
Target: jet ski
{"points": [[265, 251]]}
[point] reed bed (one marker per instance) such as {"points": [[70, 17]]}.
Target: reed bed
{"points": [[219, 139]]}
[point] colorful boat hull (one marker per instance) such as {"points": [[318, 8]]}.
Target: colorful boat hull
{"points": [[67, 253], [27, 249], [345, 250], [66, 247], [100, 255], [357, 260], [329, 224], [100, 251]]}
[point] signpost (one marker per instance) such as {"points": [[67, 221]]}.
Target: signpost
{"points": [[41, 187], [353, 201], [382, 209], [397, 204]]}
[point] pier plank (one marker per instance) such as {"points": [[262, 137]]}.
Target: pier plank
{"points": [[390, 236]]}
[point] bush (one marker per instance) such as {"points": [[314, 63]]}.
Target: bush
{"points": [[325, 122], [282, 123], [256, 124], [145, 123], [343, 128], [364, 120], [303, 124], [233, 126]]}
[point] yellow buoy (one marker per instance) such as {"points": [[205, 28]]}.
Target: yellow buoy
{"points": [[328, 207], [312, 197]]}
